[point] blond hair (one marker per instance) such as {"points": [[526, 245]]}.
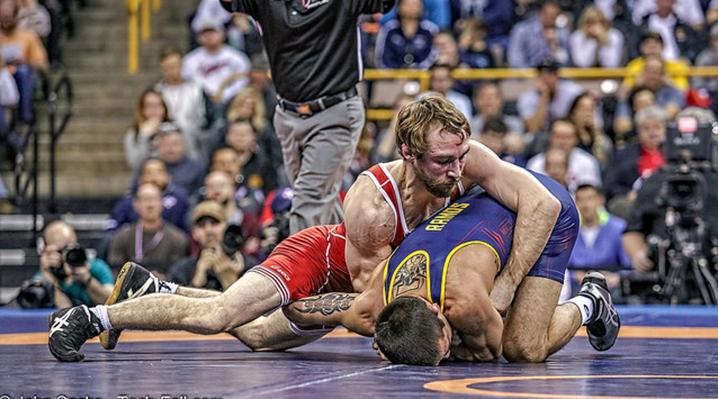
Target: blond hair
{"points": [[418, 117]]}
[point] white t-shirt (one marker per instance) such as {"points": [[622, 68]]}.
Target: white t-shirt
{"points": [[209, 70], [689, 11]]}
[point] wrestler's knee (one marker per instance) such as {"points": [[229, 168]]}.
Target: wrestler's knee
{"points": [[216, 317], [518, 350]]}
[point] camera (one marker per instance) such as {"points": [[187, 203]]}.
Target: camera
{"points": [[74, 255], [233, 240], [36, 294], [685, 264]]}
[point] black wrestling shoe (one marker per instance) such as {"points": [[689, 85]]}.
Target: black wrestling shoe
{"points": [[69, 329], [604, 325], [132, 281]]}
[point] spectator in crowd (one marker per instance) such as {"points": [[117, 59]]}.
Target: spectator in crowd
{"points": [[639, 159], [489, 102], [442, 82], [174, 200], [260, 81], [243, 35], [616, 11], [599, 245], [89, 283], [219, 69], [227, 160], [447, 53], [256, 171], [508, 146], [687, 11], [557, 165], [436, 11], [498, 19], [212, 268], [151, 112], [184, 172], [209, 10], [651, 46], [149, 241], [712, 12], [667, 96], [249, 105], [22, 51], [591, 137], [596, 43], [219, 187], [9, 98], [475, 51], [639, 97], [538, 38], [679, 38], [582, 166], [550, 100], [406, 41], [709, 57], [184, 100], [34, 17]]}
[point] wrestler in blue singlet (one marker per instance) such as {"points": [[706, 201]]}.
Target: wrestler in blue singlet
{"points": [[476, 218]]}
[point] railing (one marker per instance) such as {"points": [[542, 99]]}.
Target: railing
{"points": [[139, 25], [423, 77], [26, 174]]}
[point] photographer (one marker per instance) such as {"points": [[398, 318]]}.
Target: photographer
{"points": [[75, 279], [219, 262]]}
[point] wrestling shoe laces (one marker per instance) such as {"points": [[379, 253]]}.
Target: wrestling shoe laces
{"points": [[69, 329], [132, 281], [604, 325]]}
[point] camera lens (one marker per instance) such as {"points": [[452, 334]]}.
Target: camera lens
{"points": [[75, 256]]}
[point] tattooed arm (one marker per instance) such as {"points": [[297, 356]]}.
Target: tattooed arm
{"points": [[356, 312], [353, 311]]}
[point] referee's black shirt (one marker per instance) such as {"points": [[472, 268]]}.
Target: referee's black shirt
{"points": [[314, 51]]}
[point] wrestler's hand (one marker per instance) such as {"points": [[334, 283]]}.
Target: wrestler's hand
{"points": [[502, 295]]}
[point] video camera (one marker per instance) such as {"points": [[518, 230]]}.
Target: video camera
{"points": [[686, 266]]}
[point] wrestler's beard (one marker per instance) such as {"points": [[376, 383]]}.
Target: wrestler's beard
{"points": [[435, 188]]}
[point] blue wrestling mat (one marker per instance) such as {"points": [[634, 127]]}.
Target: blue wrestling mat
{"points": [[663, 352]]}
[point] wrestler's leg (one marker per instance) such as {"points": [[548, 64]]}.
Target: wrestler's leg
{"points": [[536, 327], [274, 332], [248, 298]]}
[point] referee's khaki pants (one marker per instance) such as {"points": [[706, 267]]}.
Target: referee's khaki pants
{"points": [[317, 152]]}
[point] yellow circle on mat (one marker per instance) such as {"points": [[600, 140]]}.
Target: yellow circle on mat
{"points": [[462, 385]]}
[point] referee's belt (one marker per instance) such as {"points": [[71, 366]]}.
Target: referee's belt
{"points": [[309, 108]]}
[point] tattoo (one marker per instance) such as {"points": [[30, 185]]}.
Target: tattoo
{"points": [[326, 304], [411, 276]]}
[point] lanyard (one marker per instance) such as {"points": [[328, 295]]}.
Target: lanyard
{"points": [[139, 248]]}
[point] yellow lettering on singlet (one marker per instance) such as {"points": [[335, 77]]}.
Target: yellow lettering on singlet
{"points": [[438, 222]]}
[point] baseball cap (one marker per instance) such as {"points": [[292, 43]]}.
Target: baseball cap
{"points": [[210, 24], [209, 209]]}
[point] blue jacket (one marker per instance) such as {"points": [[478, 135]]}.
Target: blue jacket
{"points": [[436, 11], [607, 251], [394, 50], [174, 203]]}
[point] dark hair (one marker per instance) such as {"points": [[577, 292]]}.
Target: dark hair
{"points": [[632, 96], [170, 51], [408, 332], [495, 124], [577, 100], [586, 186]]}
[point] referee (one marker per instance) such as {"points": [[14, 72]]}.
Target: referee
{"points": [[315, 58]]}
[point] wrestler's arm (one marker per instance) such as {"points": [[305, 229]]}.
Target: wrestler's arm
{"points": [[356, 312], [370, 227], [480, 334], [536, 209]]}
